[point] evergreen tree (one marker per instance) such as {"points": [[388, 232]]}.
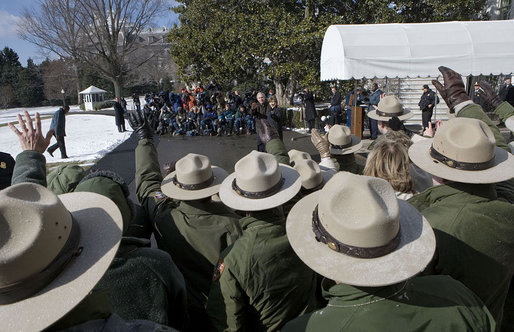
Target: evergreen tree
{"points": [[280, 41]]}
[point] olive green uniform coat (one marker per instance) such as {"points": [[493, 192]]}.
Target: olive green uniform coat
{"points": [[141, 282], [260, 282], [194, 233], [475, 238], [430, 303]]}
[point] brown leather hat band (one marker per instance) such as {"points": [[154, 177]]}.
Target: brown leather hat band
{"points": [[360, 252], [258, 194], [390, 115], [196, 186], [27, 287], [340, 147], [460, 164]]}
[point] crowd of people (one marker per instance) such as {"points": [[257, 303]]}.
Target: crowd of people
{"points": [[420, 239], [206, 111]]}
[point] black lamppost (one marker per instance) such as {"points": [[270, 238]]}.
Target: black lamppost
{"points": [[63, 103]]}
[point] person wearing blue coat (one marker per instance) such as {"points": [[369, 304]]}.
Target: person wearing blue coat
{"points": [[58, 124]]}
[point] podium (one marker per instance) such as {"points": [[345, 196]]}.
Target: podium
{"points": [[356, 118]]}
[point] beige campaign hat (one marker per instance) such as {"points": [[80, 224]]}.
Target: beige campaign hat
{"points": [[311, 175], [194, 178], [53, 251], [295, 155], [259, 183], [342, 141], [357, 232], [463, 150], [509, 123], [388, 107]]}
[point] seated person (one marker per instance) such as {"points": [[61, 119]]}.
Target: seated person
{"points": [[259, 282], [370, 246], [189, 225], [389, 160]]}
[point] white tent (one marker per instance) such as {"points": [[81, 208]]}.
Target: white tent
{"points": [[416, 50]]}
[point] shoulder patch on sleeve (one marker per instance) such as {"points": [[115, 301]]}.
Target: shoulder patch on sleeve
{"points": [[159, 196], [218, 270]]}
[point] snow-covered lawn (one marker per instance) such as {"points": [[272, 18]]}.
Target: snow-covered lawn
{"points": [[89, 137]]}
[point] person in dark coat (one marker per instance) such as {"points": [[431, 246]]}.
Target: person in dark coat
{"points": [[260, 109], [58, 124], [275, 115], [137, 102], [426, 105], [119, 115], [476, 96], [335, 106], [374, 99], [507, 92], [310, 109]]}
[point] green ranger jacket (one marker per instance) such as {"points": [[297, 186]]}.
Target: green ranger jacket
{"points": [[475, 238], [260, 283], [194, 233], [430, 303], [504, 111], [144, 283], [141, 282]]}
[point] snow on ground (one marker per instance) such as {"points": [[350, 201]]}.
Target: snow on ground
{"points": [[88, 136]]}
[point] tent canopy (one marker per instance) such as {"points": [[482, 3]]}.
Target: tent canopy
{"points": [[92, 89], [416, 50]]}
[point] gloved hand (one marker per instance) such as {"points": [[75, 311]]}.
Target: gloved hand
{"points": [[169, 167], [321, 143], [265, 131], [453, 91], [137, 121], [489, 95]]}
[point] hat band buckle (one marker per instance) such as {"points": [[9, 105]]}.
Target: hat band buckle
{"points": [[460, 164], [322, 235], [258, 194], [195, 186]]}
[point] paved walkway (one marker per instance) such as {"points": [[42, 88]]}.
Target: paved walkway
{"points": [[222, 151]]}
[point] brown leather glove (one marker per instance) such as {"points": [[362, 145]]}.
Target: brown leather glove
{"points": [[490, 96], [265, 131], [321, 143], [169, 167], [453, 91]]}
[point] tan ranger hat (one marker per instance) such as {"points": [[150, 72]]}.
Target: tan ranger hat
{"points": [[463, 150], [311, 174], [53, 251], [259, 183], [388, 107], [295, 155], [342, 141], [357, 232], [194, 178]]}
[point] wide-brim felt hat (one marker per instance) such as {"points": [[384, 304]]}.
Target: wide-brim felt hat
{"points": [[509, 123], [411, 256], [356, 146], [390, 106], [173, 191], [100, 223], [503, 169], [290, 187], [342, 141]]}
